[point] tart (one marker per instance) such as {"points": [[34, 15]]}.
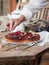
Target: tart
{"points": [[22, 37]]}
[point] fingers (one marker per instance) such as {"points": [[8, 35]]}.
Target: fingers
{"points": [[15, 24], [7, 26], [11, 24]]}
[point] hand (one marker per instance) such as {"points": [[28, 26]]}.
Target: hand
{"points": [[11, 24]]}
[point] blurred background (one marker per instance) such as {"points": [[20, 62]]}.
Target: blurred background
{"points": [[7, 6]]}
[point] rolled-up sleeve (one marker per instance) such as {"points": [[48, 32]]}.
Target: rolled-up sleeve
{"points": [[33, 7], [27, 13]]}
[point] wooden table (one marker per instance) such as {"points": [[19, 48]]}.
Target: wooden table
{"points": [[22, 53]]}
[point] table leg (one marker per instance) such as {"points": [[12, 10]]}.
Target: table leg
{"points": [[38, 60]]}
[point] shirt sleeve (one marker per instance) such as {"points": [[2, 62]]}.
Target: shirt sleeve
{"points": [[33, 7]]}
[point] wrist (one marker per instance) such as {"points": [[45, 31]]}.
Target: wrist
{"points": [[22, 18]]}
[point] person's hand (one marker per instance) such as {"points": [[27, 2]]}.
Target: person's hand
{"points": [[11, 24]]}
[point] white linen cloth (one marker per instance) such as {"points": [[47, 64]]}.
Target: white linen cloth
{"points": [[44, 38]]}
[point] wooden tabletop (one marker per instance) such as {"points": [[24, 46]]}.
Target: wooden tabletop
{"points": [[22, 52]]}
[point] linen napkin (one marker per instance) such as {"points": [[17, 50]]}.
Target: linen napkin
{"points": [[44, 38]]}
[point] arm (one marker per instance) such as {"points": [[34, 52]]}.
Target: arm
{"points": [[33, 7]]}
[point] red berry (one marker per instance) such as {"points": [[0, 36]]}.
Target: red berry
{"points": [[18, 33]]}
